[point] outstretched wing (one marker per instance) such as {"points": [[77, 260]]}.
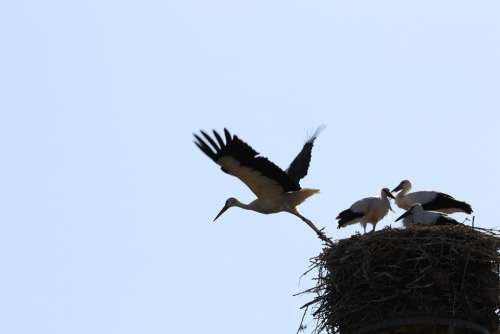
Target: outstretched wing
{"points": [[299, 166], [237, 158]]}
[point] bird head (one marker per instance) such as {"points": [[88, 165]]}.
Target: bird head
{"points": [[403, 185], [387, 192], [231, 201]]}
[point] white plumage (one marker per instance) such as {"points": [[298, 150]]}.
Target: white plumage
{"points": [[430, 200], [276, 190], [367, 210], [416, 215]]}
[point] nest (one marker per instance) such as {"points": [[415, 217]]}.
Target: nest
{"points": [[417, 280]]}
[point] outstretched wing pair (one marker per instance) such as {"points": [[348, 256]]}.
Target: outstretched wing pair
{"points": [[263, 177]]}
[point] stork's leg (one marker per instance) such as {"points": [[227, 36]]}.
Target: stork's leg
{"points": [[319, 232], [364, 228], [373, 229]]}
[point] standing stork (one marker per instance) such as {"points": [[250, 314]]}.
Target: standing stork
{"points": [[417, 215], [276, 190], [367, 210], [430, 200]]}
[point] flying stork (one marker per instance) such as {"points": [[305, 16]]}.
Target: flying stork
{"points": [[367, 210], [430, 200], [417, 215], [276, 190]]}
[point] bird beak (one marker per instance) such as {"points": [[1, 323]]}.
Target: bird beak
{"points": [[224, 209], [390, 195], [397, 188], [407, 213]]}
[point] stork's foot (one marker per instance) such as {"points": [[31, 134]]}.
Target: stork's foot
{"points": [[319, 232], [323, 236]]}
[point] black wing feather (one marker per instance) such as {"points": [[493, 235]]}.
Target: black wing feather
{"points": [[228, 136], [246, 156], [347, 216], [300, 165], [211, 141], [219, 138], [444, 201], [205, 148]]}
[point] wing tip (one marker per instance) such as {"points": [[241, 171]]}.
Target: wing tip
{"points": [[204, 147], [316, 133], [227, 132]]}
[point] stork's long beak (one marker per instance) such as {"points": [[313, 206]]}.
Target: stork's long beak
{"points": [[399, 187], [406, 214], [224, 209], [390, 195]]}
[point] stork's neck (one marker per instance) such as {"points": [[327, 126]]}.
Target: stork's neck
{"points": [[386, 201], [259, 205], [403, 191], [243, 205]]}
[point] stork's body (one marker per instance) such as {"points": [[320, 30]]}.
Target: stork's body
{"points": [[284, 202], [417, 215], [368, 210], [276, 190], [430, 200]]}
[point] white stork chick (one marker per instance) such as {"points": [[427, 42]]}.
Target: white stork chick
{"points": [[276, 190], [367, 210], [430, 200], [417, 215]]}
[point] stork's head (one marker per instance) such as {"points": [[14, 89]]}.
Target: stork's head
{"points": [[412, 210], [231, 201], [386, 193], [403, 185]]}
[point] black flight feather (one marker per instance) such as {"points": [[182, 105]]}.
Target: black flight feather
{"points": [[300, 165], [444, 201], [347, 216], [246, 156]]}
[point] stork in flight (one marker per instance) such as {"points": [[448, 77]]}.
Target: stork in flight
{"points": [[417, 215], [430, 200], [367, 210], [276, 190]]}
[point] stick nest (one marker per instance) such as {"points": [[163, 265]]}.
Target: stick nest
{"points": [[438, 272]]}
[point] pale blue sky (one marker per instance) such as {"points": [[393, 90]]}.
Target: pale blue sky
{"points": [[106, 205]]}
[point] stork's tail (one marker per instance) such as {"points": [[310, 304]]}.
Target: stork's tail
{"points": [[466, 207], [303, 194], [348, 217]]}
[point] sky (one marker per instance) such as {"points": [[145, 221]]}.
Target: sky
{"points": [[106, 206]]}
